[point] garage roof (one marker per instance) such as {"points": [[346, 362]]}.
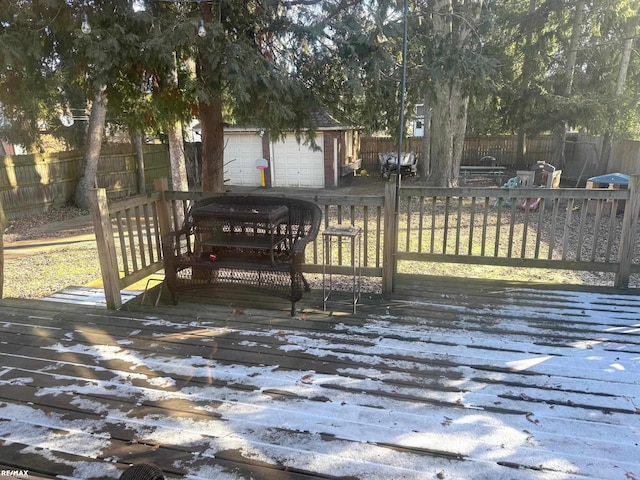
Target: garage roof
{"points": [[321, 120]]}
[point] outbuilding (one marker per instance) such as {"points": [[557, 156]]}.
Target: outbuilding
{"points": [[291, 163]]}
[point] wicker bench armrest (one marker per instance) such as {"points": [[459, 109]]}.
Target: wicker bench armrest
{"points": [[300, 244], [313, 220]]}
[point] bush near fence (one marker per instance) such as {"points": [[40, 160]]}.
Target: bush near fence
{"points": [[37, 182]]}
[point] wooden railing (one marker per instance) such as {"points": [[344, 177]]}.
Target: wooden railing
{"points": [[128, 237], [570, 229], [365, 211], [567, 229]]}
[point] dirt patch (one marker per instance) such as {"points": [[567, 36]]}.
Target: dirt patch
{"points": [[55, 223]]}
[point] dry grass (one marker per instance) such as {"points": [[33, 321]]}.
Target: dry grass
{"points": [[38, 276], [42, 274]]}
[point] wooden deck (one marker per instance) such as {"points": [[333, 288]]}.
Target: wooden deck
{"points": [[448, 380]]}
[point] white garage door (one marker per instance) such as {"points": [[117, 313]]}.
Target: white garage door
{"points": [[240, 154], [296, 165]]}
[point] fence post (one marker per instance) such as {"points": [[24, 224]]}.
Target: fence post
{"points": [[106, 247], [161, 184], [388, 241], [628, 235]]}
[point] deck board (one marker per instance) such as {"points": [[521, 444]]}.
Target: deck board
{"points": [[443, 380], [88, 296]]}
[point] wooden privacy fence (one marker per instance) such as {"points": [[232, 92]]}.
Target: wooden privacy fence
{"points": [[34, 183], [503, 148], [370, 147], [566, 229]]}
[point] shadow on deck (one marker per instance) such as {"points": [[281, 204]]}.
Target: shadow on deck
{"points": [[448, 379]]}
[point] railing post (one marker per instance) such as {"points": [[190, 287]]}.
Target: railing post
{"points": [[161, 184], [389, 243], [106, 248], [628, 235]]}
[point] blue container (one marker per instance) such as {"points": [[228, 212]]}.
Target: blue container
{"points": [[611, 178]]}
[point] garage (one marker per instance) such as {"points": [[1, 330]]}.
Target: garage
{"points": [[290, 164], [241, 151], [297, 165]]}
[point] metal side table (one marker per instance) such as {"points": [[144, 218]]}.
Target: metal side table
{"points": [[339, 235]]}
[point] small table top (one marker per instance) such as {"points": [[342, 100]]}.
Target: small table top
{"points": [[342, 230], [245, 213]]}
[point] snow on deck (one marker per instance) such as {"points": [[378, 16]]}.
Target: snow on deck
{"points": [[498, 385]]}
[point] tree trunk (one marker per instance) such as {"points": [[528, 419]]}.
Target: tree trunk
{"points": [[521, 149], [95, 133], [559, 137], [459, 128], [212, 145], [178, 164], [527, 65], [211, 120], [627, 47], [176, 143], [176, 158], [449, 121], [560, 132], [441, 134], [573, 47], [605, 152], [424, 167], [449, 124], [138, 140]]}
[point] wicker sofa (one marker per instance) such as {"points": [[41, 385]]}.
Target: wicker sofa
{"points": [[257, 241]]}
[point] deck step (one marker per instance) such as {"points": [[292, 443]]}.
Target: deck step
{"points": [[88, 296]]}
